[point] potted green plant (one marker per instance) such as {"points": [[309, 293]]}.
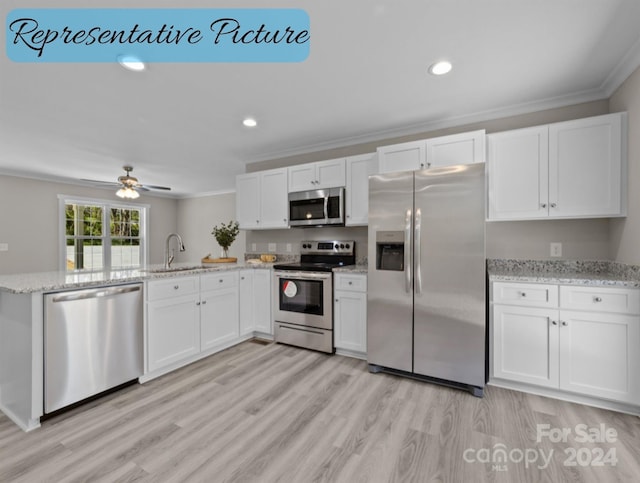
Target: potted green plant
{"points": [[226, 235]]}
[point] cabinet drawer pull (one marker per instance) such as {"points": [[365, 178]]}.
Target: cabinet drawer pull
{"points": [[220, 280], [350, 283], [176, 287], [597, 299], [523, 294]]}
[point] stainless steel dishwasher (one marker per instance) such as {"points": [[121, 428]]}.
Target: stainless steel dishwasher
{"points": [[92, 342]]}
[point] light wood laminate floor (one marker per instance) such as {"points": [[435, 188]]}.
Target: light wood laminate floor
{"points": [[262, 413]]}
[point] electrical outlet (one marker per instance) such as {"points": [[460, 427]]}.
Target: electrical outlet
{"points": [[272, 247], [4, 247], [556, 249], [288, 247], [254, 248]]}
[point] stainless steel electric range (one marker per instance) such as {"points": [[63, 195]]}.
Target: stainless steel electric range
{"points": [[304, 294]]}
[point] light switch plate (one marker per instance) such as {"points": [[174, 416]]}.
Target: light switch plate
{"points": [[272, 247], [4, 247], [556, 249]]}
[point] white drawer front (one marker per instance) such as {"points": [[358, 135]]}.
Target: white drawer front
{"points": [[171, 287], [530, 294], [353, 283], [217, 281], [600, 299]]}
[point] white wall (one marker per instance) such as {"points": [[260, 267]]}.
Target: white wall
{"points": [[625, 232], [29, 222], [196, 218]]}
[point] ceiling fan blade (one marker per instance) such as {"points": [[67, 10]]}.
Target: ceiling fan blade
{"points": [[107, 183], [153, 187]]}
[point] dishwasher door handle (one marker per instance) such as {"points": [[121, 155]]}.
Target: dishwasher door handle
{"points": [[92, 294]]}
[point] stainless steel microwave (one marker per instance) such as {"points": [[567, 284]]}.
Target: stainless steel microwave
{"points": [[317, 207]]}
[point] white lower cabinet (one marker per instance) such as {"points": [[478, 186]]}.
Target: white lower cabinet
{"points": [[350, 313], [255, 301], [186, 316], [173, 331], [219, 309], [593, 351]]}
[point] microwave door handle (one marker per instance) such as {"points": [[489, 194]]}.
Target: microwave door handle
{"points": [[326, 207], [407, 252]]}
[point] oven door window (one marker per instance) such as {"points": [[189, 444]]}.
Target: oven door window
{"points": [[303, 296], [312, 209]]}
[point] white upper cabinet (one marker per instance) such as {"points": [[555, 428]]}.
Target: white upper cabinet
{"points": [[261, 199], [463, 148], [359, 168], [323, 174], [573, 169], [585, 167], [518, 167], [402, 157]]}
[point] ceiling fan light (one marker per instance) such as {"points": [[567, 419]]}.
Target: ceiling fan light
{"points": [[128, 193]]}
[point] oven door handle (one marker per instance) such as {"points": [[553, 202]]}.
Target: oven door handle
{"points": [[304, 275]]}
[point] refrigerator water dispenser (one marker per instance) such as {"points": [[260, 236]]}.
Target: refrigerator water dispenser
{"points": [[390, 250]]}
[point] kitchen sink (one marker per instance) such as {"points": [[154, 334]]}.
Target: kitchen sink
{"points": [[173, 269]]}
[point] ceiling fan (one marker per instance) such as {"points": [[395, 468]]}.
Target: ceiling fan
{"points": [[128, 185]]}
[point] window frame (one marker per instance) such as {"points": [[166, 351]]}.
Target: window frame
{"points": [[106, 205]]}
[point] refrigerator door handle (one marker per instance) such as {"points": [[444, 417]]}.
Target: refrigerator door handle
{"points": [[407, 252], [418, 255]]}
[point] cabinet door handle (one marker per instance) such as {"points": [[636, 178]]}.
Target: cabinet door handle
{"points": [[564, 323], [204, 302], [337, 300], [197, 303], [554, 322], [597, 299], [220, 281], [552, 205], [543, 205], [350, 283]]}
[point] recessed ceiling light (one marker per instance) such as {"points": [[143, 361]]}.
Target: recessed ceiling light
{"points": [[250, 122], [440, 68], [130, 62]]}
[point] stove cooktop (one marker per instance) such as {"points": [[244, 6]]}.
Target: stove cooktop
{"points": [[322, 256]]}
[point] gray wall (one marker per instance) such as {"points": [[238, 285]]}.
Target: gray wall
{"points": [[196, 219], [29, 222], [581, 239], [625, 232]]}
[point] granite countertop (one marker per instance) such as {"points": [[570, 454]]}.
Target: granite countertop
{"points": [[594, 273], [358, 268], [59, 280]]}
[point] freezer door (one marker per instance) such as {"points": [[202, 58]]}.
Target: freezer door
{"points": [[390, 290], [449, 306]]}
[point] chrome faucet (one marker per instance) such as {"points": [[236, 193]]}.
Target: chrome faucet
{"points": [[168, 258]]}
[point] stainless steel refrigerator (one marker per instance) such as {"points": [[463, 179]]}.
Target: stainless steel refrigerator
{"points": [[426, 305]]}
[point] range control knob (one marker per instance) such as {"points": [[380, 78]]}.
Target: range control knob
{"points": [[341, 245], [347, 246], [336, 246]]}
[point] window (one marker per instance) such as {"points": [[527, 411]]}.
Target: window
{"points": [[99, 235]]}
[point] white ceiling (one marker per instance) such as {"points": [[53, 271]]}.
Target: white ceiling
{"points": [[366, 78]]}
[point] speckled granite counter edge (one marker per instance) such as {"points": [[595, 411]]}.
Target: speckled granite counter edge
{"points": [[56, 281], [358, 268], [569, 272]]}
